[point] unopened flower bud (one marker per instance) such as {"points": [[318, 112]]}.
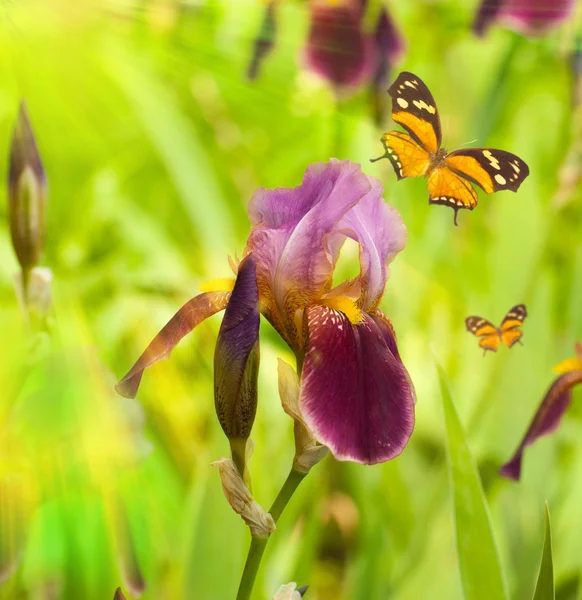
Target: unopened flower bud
{"points": [[242, 502], [236, 362], [290, 592], [308, 452], [26, 194], [118, 595]]}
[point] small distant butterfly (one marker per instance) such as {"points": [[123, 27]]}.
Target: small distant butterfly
{"points": [[419, 152], [507, 333]]}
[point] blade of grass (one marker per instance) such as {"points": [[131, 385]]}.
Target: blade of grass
{"points": [[481, 573], [545, 584]]}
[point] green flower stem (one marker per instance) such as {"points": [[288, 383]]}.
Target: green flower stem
{"points": [[258, 545]]}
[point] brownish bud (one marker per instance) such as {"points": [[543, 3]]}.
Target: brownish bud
{"points": [[26, 194]]}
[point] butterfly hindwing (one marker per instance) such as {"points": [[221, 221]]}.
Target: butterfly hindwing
{"points": [[448, 188], [485, 331], [407, 158], [492, 170], [414, 108]]}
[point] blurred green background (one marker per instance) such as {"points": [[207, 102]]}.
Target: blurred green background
{"points": [[153, 142]]}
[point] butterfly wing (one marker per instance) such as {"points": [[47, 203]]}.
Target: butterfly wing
{"points": [[486, 332], [492, 170], [510, 326], [414, 108], [407, 157], [448, 188]]}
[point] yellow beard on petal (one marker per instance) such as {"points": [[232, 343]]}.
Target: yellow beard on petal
{"points": [[225, 284], [568, 365], [346, 306]]}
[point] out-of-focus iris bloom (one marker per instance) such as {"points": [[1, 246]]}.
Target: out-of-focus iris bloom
{"points": [[529, 17], [341, 51], [549, 414], [356, 396]]}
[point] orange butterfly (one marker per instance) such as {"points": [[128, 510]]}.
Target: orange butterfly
{"points": [[490, 336], [419, 152]]}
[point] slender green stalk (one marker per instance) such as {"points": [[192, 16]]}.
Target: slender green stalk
{"points": [[258, 545]]}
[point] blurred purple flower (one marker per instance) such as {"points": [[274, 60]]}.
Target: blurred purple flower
{"points": [[341, 51], [549, 414], [529, 17], [355, 394]]}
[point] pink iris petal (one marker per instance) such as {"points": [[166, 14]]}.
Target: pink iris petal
{"points": [[381, 234], [529, 17], [290, 239], [356, 395], [191, 314], [546, 420], [338, 50]]}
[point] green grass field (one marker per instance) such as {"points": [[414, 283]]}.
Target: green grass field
{"points": [[153, 142]]}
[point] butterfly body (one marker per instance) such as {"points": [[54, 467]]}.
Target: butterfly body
{"points": [[491, 337], [450, 176]]}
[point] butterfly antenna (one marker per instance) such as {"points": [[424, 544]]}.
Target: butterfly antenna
{"points": [[379, 158]]}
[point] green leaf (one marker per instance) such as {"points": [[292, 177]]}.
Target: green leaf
{"points": [[481, 573], [545, 584]]}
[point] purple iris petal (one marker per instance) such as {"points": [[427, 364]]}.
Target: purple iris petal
{"points": [[338, 49], [381, 234], [356, 396], [236, 358], [546, 420], [526, 16], [291, 240], [486, 14], [191, 314]]}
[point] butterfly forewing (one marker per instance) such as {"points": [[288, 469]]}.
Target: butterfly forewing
{"points": [[492, 170], [510, 326], [406, 156], [414, 108]]}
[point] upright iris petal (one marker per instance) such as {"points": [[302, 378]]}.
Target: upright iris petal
{"points": [[291, 240]]}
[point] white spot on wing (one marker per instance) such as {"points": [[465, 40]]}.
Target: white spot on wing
{"points": [[500, 179], [402, 102]]}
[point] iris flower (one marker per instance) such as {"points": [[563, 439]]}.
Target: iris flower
{"points": [[549, 414], [356, 396], [341, 51], [529, 17]]}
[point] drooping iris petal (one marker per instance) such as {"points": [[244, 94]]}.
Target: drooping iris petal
{"points": [[530, 17], [381, 234], [338, 49], [290, 239], [546, 420], [236, 358], [191, 314], [535, 16], [356, 396]]}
